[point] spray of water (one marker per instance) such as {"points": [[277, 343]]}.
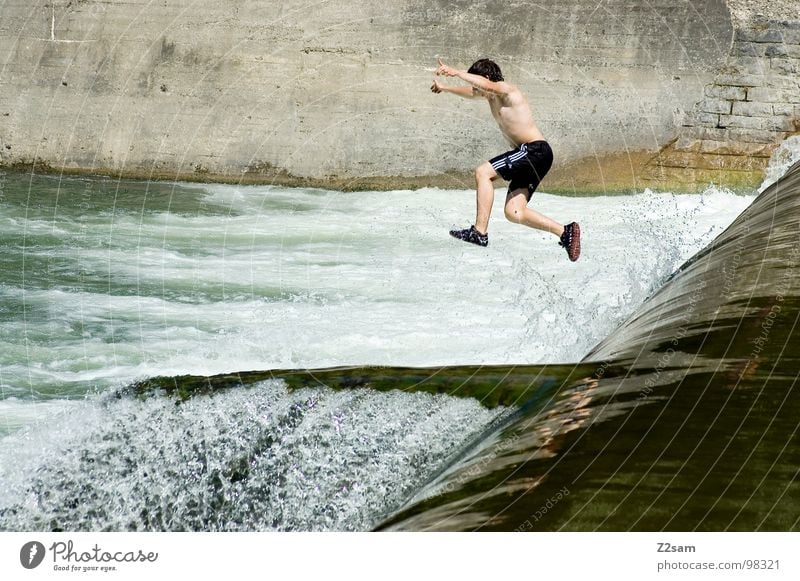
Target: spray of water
{"points": [[259, 458], [784, 157]]}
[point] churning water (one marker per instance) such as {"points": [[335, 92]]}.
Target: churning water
{"points": [[106, 282]]}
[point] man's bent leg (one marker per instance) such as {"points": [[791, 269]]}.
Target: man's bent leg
{"points": [[484, 176], [517, 211]]}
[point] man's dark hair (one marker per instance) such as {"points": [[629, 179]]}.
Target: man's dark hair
{"points": [[486, 68]]}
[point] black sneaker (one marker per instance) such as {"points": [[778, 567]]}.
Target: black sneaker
{"points": [[471, 235], [571, 240]]}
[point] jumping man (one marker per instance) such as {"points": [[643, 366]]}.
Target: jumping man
{"points": [[524, 166]]}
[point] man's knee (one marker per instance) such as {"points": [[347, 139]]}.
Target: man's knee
{"points": [[513, 213], [485, 171]]}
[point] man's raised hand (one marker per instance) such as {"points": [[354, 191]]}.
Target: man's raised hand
{"points": [[445, 70]]}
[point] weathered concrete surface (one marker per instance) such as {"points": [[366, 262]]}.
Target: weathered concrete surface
{"points": [[745, 12], [752, 105], [334, 92]]}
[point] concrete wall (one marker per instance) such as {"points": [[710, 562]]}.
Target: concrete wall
{"points": [[335, 90]]}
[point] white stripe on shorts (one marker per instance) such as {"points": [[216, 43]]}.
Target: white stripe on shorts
{"points": [[507, 161]]}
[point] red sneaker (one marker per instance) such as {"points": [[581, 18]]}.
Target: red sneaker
{"points": [[571, 240]]}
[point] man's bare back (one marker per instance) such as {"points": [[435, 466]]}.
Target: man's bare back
{"points": [[524, 166]]}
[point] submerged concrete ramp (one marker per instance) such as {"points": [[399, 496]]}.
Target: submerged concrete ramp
{"points": [[332, 92]]}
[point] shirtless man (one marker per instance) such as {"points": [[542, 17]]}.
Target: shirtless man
{"points": [[524, 166]]}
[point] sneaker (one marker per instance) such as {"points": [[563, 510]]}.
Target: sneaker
{"points": [[471, 235], [571, 240]]}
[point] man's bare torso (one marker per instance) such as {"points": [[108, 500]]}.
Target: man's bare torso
{"points": [[513, 115]]}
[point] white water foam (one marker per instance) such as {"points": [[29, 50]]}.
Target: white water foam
{"points": [[258, 458], [309, 278], [294, 279]]}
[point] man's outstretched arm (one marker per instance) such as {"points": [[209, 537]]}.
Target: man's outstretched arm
{"points": [[466, 92], [477, 81]]}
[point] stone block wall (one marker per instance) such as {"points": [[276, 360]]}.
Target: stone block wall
{"points": [[750, 108]]}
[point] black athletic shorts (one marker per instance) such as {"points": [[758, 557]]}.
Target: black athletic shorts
{"points": [[525, 166]]}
